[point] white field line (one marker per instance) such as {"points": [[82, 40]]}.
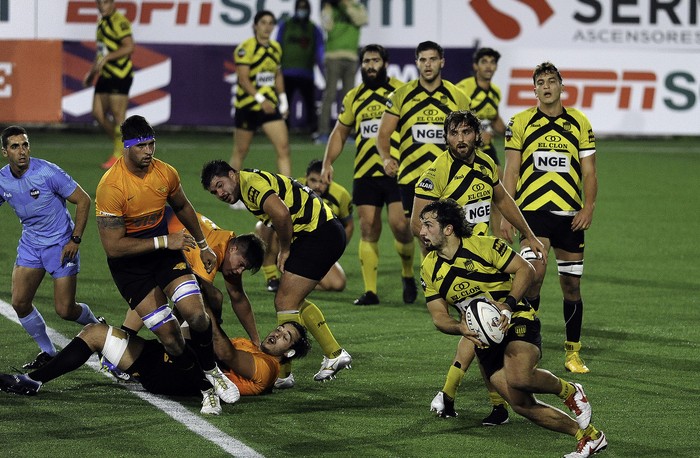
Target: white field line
{"points": [[175, 410]]}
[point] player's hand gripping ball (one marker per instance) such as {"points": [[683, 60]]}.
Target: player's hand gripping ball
{"points": [[482, 318]]}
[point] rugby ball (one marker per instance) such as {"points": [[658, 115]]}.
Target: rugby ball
{"points": [[482, 318]]}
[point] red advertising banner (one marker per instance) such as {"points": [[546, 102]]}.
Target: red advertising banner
{"points": [[30, 81]]}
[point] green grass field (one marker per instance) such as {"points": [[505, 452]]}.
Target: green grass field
{"points": [[640, 336]]}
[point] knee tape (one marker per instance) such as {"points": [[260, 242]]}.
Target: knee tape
{"points": [[570, 268], [115, 346], [158, 317], [528, 254], [184, 290]]}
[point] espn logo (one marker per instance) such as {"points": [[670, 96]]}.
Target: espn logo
{"points": [[632, 90]]}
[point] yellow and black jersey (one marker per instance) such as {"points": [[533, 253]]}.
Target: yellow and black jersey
{"points": [[551, 150], [477, 270], [421, 118], [469, 185], [111, 30], [338, 199], [264, 62], [362, 110], [307, 210], [484, 102]]}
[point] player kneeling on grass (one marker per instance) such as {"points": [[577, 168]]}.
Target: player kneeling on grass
{"points": [[252, 370], [455, 259]]}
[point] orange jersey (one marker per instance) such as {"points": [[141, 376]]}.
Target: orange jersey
{"points": [[217, 239], [267, 369], [140, 201]]}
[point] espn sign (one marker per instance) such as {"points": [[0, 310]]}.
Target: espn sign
{"points": [[628, 90], [143, 12]]}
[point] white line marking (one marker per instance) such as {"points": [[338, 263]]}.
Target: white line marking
{"points": [[175, 410]]}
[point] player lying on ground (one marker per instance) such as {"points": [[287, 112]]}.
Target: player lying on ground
{"points": [[252, 370]]}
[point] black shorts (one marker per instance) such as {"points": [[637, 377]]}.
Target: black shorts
{"points": [[136, 276], [491, 359], [251, 120], [113, 85], [312, 255], [557, 229], [375, 191], [408, 193], [159, 375]]}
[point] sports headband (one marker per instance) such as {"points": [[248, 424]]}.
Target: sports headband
{"points": [[135, 141]]}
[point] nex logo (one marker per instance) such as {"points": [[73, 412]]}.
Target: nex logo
{"points": [[84, 11], [583, 86], [504, 26]]}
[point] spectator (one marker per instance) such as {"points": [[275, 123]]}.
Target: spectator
{"points": [[341, 19], [302, 48]]}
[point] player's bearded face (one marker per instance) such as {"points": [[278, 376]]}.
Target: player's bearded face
{"points": [[462, 141], [373, 78]]}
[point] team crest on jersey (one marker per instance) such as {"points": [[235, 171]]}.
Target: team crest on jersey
{"points": [[163, 189], [34, 193], [253, 194], [520, 330], [469, 265], [426, 184], [180, 266], [241, 52], [566, 125]]}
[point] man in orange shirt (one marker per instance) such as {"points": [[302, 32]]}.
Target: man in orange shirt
{"points": [[253, 370], [146, 262]]}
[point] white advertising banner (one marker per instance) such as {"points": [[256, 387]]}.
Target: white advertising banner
{"points": [[633, 66]]}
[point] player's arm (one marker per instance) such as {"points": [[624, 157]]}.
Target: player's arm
{"points": [[387, 126], [511, 173], [185, 212], [241, 306], [334, 147], [442, 320], [510, 211], [126, 48], [117, 244], [81, 199], [281, 220], [349, 226], [281, 94], [241, 362], [498, 126], [584, 217], [523, 274]]}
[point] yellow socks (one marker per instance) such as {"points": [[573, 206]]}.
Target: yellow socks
{"points": [[270, 272], [567, 389], [312, 318], [591, 432], [452, 382], [369, 260], [405, 251], [496, 400]]}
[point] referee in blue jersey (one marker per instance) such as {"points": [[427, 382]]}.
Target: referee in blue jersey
{"points": [[37, 190]]}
